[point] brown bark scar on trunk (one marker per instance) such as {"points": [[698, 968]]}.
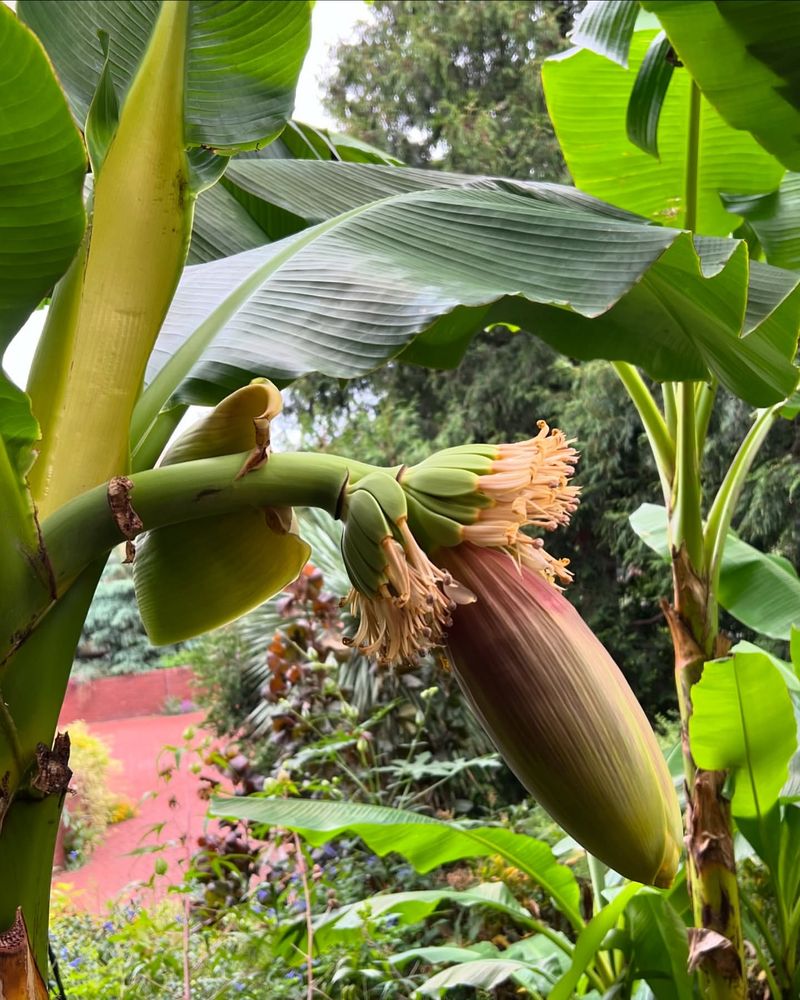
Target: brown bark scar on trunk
{"points": [[53, 773], [708, 812], [19, 976], [125, 517], [707, 947], [709, 845], [260, 454]]}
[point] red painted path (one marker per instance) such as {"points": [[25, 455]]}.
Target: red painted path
{"points": [[138, 744]]}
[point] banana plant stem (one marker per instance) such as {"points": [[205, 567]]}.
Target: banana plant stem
{"points": [[670, 408], [145, 453], [692, 160], [658, 435], [704, 398], [724, 505], [686, 495], [85, 529]]}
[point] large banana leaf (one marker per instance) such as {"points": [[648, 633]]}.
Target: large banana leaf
{"points": [[42, 164], [243, 60], [604, 162], [315, 192], [533, 962], [484, 974], [426, 842], [356, 290], [743, 721], [762, 591], [231, 216], [743, 55], [660, 947], [410, 908], [590, 940]]}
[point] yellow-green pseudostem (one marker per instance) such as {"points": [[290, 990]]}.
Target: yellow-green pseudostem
{"points": [[108, 309]]}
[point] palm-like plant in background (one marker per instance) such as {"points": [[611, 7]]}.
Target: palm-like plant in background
{"points": [[366, 262]]}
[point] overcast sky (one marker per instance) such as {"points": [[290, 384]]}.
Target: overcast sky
{"points": [[332, 21]]}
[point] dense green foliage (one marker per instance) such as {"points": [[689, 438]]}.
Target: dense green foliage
{"points": [[454, 85], [113, 640]]}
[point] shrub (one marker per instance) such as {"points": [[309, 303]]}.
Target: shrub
{"points": [[91, 806]]}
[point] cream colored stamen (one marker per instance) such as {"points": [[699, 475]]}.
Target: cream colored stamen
{"points": [[413, 608]]}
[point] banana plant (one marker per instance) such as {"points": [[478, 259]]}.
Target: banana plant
{"points": [[307, 265]]}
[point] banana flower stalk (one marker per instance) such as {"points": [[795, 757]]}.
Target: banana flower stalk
{"points": [[545, 690]]}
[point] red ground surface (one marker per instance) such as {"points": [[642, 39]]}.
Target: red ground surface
{"points": [[138, 745], [126, 696]]}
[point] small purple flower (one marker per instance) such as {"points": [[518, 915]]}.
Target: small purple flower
{"points": [[76, 962], [108, 926]]}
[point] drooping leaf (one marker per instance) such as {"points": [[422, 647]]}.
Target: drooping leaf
{"points": [[347, 295], [660, 946], [742, 721], [544, 960], [606, 27], [533, 962], [615, 170], [426, 842], [590, 940], [346, 923], [243, 60], [436, 954], [314, 192], [775, 220], [647, 97], [42, 165], [743, 55], [481, 973], [762, 591]]}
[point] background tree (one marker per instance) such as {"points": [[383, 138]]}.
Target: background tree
{"points": [[454, 85]]}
